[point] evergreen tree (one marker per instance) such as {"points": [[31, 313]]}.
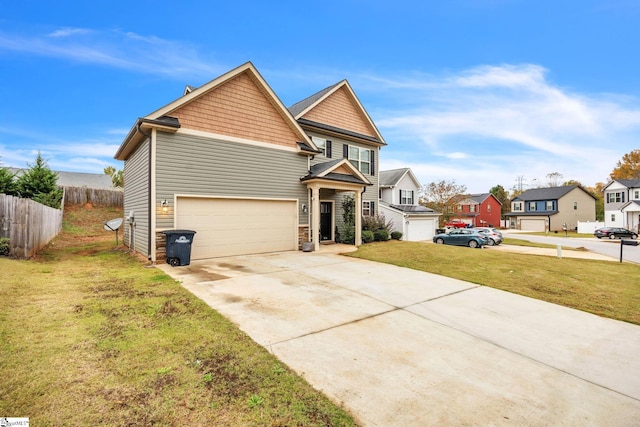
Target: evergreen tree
{"points": [[7, 182], [40, 184]]}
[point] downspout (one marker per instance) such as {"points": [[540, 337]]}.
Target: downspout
{"points": [[148, 135]]}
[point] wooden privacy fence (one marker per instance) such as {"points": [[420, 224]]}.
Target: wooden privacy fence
{"points": [[29, 225], [98, 197]]}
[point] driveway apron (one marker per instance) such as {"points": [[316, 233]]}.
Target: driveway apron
{"points": [[399, 347]]}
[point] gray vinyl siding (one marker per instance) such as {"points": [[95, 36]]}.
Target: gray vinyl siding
{"points": [[188, 164], [136, 197], [371, 194]]}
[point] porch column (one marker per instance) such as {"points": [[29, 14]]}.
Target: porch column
{"points": [[358, 234], [315, 217]]}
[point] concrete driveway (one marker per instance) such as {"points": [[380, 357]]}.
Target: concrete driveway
{"points": [[398, 347]]}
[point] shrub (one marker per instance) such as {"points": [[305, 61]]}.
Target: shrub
{"points": [[381, 235], [396, 235], [375, 222], [367, 236], [4, 246]]}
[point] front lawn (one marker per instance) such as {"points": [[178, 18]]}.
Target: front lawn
{"points": [[89, 336], [601, 287]]}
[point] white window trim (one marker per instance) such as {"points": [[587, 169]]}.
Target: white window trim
{"points": [[359, 162]]}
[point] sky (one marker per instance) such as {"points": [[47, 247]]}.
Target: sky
{"points": [[479, 92]]}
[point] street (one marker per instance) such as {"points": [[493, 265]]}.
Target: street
{"points": [[602, 246]]}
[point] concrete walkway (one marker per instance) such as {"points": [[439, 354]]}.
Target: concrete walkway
{"points": [[398, 347]]}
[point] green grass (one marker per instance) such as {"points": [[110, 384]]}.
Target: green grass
{"points": [[90, 336], [521, 242], [601, 287]]}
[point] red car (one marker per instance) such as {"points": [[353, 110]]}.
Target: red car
{"points": [[455, 223]]}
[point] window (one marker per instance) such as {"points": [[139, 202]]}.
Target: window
{"points": [[517, 206], [636, 194], [549, 205], [406, 197], [489, 208], [472, 208], [613, 217], [323, 145], [360, 158], [368, 208], [459, 208], [532, 206], [617, 197], [575, 206]]}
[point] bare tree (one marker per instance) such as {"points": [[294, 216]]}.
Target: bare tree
{"points": [[554, 179], [439, 196]]}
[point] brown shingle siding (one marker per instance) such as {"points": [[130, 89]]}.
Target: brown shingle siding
{"points": [[340, 111], [237, 108]]}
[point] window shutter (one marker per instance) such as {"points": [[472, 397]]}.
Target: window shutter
{"points": [[345, 151], [373, 163], [373, 208], [327, 149]]}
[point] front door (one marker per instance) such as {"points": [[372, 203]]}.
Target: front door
{"points": [[326, 220]]}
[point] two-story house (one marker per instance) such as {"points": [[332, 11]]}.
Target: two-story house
{"points": [[399, 205], [552, 208], [231, 162], [622, 204], [477, 210]]}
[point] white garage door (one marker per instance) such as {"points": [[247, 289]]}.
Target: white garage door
{"points": [[226, 227], [420, 229], [532, 225]]}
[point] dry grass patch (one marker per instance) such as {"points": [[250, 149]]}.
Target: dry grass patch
{"points": [[601, 287], [90, 336]]}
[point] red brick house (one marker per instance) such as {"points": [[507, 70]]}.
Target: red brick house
{"points": [[477, 210]]}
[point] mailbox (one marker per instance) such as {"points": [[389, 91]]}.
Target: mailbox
{"points": [[629, 242]]}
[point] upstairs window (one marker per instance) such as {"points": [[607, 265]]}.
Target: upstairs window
{"points": [[360, 158], [532, 206], [617, 197], [472, 208], [636, 194], [517, 206], [549, 205], [575, 206], [406, 197], [323, 145], [489, 208]]}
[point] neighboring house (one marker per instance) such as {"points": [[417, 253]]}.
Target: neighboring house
{"points": [[552, 208], [622, 203], [399, 204], [77, 179], [231, 162], [478, 210]]}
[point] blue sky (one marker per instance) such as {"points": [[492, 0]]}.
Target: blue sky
{"points": [[477, 91]]}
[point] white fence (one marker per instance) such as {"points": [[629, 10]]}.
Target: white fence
{"points": [[29, 225], [589, 227]]}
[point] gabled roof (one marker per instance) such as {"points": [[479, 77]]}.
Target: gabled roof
{"points": [[329, 170], [302, 108], [548, 193], [631, 206], [392, 178], [480, 198], [136, 134], [629, 183]]}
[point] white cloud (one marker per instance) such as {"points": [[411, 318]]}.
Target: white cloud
{"points": [[114, 48], [508, 120]]}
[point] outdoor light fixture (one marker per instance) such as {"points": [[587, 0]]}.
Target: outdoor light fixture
{"points": [[165, 206], [304, 208]]}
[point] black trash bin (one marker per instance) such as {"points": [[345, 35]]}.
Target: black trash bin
{"points": [[179, 246]]}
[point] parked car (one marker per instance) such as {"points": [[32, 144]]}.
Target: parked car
{"points": [[461, 237], [456, 223], [494, 236], [614, 232]]}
